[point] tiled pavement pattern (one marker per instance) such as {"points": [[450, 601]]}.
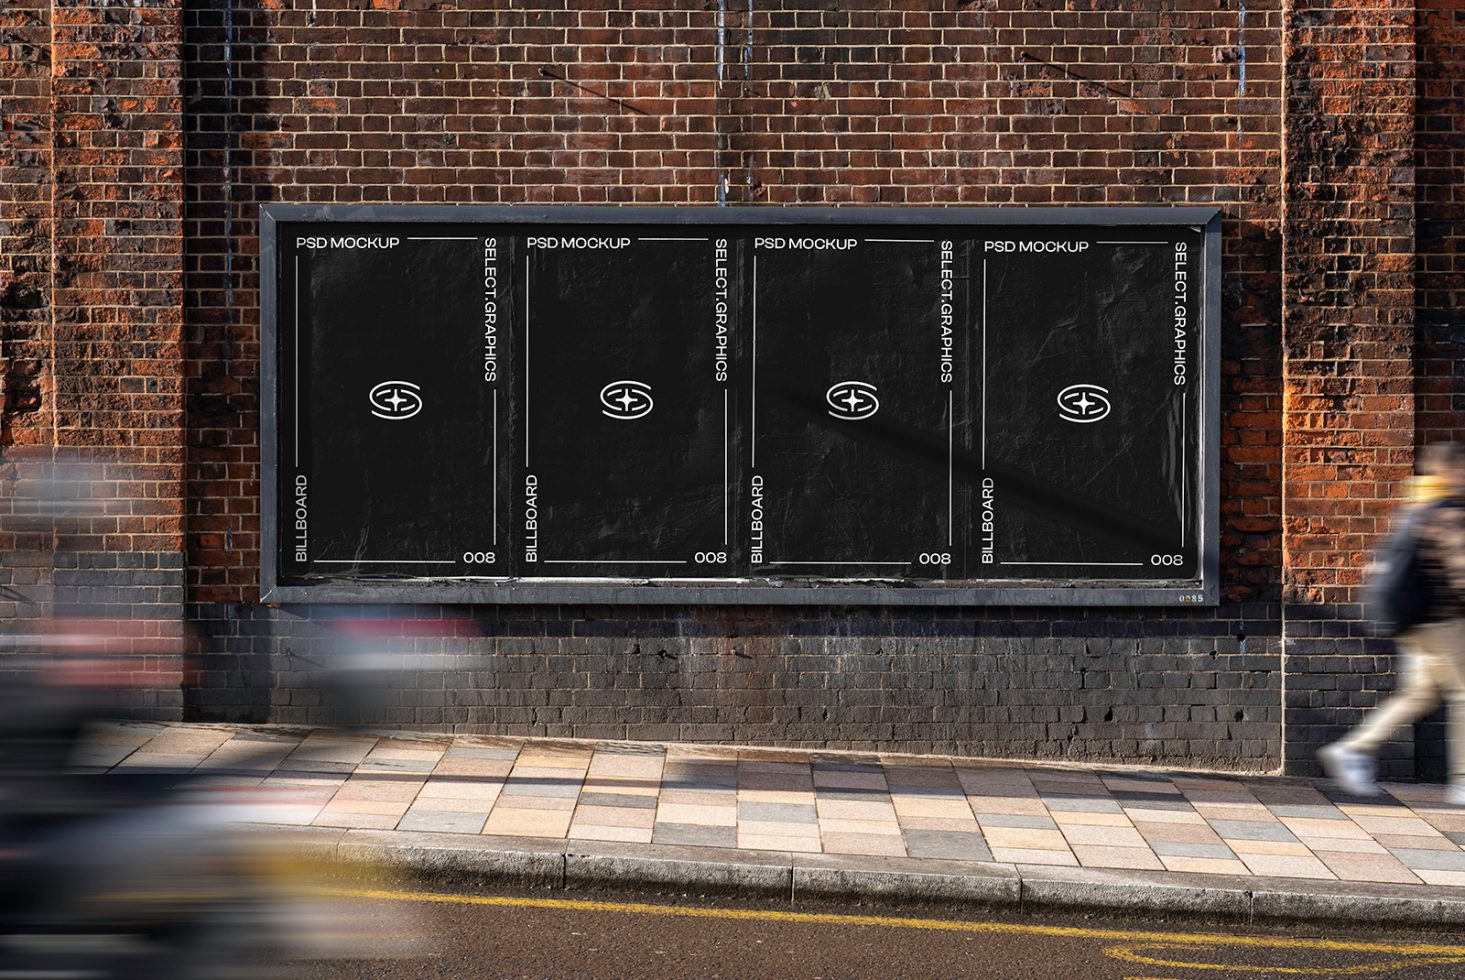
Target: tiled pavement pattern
{"points": [[834, 803]]}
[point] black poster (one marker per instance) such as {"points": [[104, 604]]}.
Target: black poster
{"points": [[700, 405]]}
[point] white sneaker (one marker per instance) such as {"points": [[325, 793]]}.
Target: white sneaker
{"points": [[1351, 769], [1455, 794]]}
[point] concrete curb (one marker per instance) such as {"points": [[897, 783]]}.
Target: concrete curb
{"points": [[574, 865]]}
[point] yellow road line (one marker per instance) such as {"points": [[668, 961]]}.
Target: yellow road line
{"points": [[897, 922]]}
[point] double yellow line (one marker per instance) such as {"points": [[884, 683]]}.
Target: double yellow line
{"points": [[1133, 943]]}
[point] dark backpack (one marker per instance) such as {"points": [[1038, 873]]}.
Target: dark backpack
{"points": [[1402, 590]]}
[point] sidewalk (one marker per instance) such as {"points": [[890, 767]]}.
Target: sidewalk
{"points": [[791, 822]]}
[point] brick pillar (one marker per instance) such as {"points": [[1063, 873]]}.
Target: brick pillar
{"points": [[94, 386], [1347, 324], [25, 299]]}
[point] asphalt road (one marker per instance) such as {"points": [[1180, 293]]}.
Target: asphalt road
{"points": [[550, 935]]}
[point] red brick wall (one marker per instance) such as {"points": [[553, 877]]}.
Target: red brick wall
{"points": [[94, 387], [886, 103], [1439, 352], [1348, 339]]}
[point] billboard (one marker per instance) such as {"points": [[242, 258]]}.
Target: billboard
{"points": [[807, 405]]}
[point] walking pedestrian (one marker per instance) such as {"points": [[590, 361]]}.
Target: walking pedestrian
{"points": [[1433, 645]]}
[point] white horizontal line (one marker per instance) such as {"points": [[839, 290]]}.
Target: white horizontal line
{"points": [[1132, 243], [470, 238], [1114, 564], [903, 241], [855, 561], [386, 561], [673, 239], [604, 561]]}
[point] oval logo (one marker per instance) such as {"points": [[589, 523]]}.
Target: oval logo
{"points": [[626, 400], [852, 400], [1083, 403], [395, 400]]}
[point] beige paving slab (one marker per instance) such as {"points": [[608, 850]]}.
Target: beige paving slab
{"points": [[1269, 847], [864, 827], [1029, 855], [882, 845], [1368, 867], [1124, 784], [473, 767], [961, 824], [1402, 826], [1067, 818], [615, 816], [514, 822], [1177, 833], [1438, 842], [626, 786], [1024, 837], [705, 816], [777, 828], [355, 821], [1012, 806], [798, 797], [461, 789], [630, 835], [450, 804], [1336, 829], [636, 766], [339, 805], [557, 804], [1139, 814], [800, 845], [1107, 836], [368, 788], [1205, 866], [1104, 856], [687, 797], [916, 806], [1287, 866], [856, 810], [1441, 877], [1343, 845], [1229, 811]]}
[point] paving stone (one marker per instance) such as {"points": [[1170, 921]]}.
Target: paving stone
{"points": [[618, 799], [1166, 849], [1421, 860], [695, 834], [1016, 820], [784, 812], [1251, 830], [443, 821], [947, 845]]}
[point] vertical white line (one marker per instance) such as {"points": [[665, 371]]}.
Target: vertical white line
{"points": [[526, 365], [495, 464], [950, 475], [726, 487], [1184, 471], [297, 362], [753, 435], [984, 364]]}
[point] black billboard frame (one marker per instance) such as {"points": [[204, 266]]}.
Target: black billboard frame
{"points": [[1204, 591]]}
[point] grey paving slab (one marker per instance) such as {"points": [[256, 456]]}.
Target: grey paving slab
{"points": [[695, 834], [443, 821], [783, 812], [568, 787], [1166, 849], [1252, 830], [951, 845], [872, 794], [1428, 860], [633, 801], [1031, 821], [476, 752], [1080, 804], [1310, 812]]}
